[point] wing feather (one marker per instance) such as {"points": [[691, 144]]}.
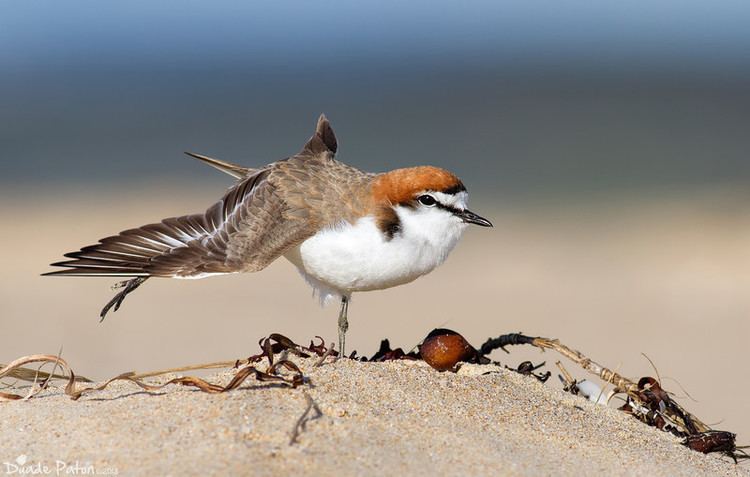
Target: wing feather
{"points": [[265, 214], [244, 231]]}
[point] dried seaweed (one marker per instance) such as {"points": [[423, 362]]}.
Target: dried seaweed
{"points": [[276, 343], [11, 370], [32, 375], [386, 353], [502, 341], [273, 344], [325, 354], [272, 375], [527, 368], [646, 399], [716, 441]]}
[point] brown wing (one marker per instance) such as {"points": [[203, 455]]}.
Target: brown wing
{"points": [[256, 221], [297, 197], [186, 246]]}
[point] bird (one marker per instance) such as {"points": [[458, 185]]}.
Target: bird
{"points": [[344, 229]]}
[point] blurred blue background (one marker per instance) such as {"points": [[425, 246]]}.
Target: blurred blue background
{"points": [[523, 99]]}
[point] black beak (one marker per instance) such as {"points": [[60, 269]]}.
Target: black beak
{"points": [[471, 218]]}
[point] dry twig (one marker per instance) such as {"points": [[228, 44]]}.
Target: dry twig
{"points": [[301, 423]]}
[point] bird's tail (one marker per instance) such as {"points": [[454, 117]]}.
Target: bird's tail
{"points": [[238, 172]]}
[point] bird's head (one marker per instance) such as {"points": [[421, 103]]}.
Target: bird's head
{"points": [[426, 200]]}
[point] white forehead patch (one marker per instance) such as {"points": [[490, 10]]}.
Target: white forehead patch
{"points": [[457, 200]]}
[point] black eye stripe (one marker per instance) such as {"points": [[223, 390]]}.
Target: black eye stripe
{"points": [[436, 203], [431, 201], [449, 208]]}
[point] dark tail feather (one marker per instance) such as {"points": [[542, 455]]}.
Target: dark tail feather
{"points": [[238, 172]]}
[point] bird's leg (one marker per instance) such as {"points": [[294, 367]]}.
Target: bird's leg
{"points": [[343, 324]]}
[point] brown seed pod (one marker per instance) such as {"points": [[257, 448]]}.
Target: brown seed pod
{"points": [[442, 349]]}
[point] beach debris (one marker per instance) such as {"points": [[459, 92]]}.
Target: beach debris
{"points": [[504, 340], [34, 375], [654, 406], [716, 441], [281, 371], [17, 369], [527, 368], [588, 389], [570, 385], [646, 400], [321, 349], [593, 392], [325, 353], [385, 353], [276, 343], [271, 375], [443, 349], [620, 383]]}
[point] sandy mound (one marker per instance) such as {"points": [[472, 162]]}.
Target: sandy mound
{"points": [[395, 417]]}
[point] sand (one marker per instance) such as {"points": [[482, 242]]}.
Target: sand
{"points": [[400, 418]]}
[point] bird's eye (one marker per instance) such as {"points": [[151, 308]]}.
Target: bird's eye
{"points": [[427, 200]]}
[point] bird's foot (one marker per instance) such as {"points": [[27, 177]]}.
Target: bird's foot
{"points": [[127, 286]]}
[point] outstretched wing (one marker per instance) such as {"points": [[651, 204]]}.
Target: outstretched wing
{"points": [[257, 220], [190, 246]]}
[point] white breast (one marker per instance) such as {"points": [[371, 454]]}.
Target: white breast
{"points": [[358, 257]]}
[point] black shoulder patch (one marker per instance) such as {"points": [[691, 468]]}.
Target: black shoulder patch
{"points": [[389, 223]]}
